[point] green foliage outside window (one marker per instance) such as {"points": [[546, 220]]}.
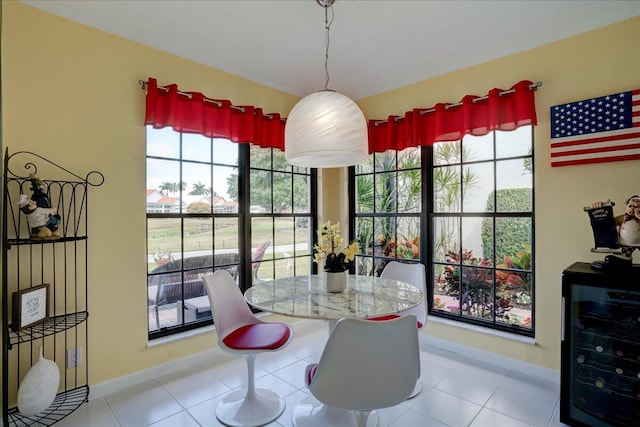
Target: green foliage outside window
{"points": [[512, 232], [264, 182], [396, 187]]}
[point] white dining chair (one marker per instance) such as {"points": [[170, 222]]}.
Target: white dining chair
{"points": [[364, 366], [240, 332], [413, 274]]}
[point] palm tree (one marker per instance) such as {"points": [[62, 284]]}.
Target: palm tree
{"points": [[166, 188], [448, 190], [200, 189]]}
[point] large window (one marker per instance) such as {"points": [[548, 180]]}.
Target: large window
{"points": [[476, 219], [215, 204]]}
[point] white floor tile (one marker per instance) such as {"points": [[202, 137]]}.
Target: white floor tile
{"points": [[234, 373], [291, 400], [489, 418], [181, 419], [277, 360], [444, 407], [529, 407], [457, 391], [555, 418], [205, 413], [388, 416], [294, 374], [537, 386], [443, 358], [92, 414], [142, 405], [413, 418], [431, 374], [272, 382], [468, 388], [193, 387], [482, 370]]}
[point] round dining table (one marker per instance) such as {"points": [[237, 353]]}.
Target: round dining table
{"points": [[305, 297]]}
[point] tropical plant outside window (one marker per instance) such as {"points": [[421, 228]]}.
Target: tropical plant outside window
{"points": [[388, 205], [205, 212], [478, 223]]}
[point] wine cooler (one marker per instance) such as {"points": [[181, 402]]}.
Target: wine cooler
{"points": [[600, 366]]}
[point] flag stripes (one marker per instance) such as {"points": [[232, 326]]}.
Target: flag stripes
{"points": [[587, 144]]}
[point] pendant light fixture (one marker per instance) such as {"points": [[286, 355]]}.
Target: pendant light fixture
{"points": [[326, 129]]}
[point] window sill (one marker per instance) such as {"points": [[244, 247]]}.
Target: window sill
{"points": [[180, 336], [481, 330], [188, 334]]}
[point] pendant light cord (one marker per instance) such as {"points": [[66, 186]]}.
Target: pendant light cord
{"points": [[327, 26]]}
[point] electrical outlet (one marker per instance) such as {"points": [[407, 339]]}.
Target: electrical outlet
{"points": [[74, 357]]}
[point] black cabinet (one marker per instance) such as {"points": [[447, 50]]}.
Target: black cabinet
{"points": [[57, 259], [600, 367]]}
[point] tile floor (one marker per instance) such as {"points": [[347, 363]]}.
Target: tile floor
{"points": [[457, 391]]}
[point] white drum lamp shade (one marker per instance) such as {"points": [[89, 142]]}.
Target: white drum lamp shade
{"points": [[326, 130]]}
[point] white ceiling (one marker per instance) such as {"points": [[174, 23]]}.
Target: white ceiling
{"points": [[375, 45]]}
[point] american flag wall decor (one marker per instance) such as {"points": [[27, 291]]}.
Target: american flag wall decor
{"points": [[604, 129]]}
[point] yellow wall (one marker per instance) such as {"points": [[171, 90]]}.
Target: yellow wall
{"points": [[597, 63], [70, 93]]}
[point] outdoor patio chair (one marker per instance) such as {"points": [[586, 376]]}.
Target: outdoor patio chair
{"points": [[165, 283], [256, 260]]}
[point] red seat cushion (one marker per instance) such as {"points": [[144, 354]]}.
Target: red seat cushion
{"points": [[387, 317], [261, 336], [312, 373], [390, 317]]}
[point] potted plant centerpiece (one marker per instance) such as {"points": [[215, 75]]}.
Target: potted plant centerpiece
{"points": [[335, 264]]}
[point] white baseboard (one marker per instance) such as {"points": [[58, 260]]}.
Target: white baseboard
{"points": [[130, 380], [493, 358], [300, 328]]}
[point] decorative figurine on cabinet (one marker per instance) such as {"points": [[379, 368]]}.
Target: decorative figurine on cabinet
{"points": [[629, 223], [628, 231], [43, 222]]}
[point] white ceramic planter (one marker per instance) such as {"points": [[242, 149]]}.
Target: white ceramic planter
{"points": [[334, 282]]}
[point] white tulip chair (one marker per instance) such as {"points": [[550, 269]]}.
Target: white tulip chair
{"points": [[413, 274], [240, 332], [364, 366]]}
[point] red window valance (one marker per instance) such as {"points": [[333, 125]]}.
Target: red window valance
{"points": [[499, 110], [192, 112]]}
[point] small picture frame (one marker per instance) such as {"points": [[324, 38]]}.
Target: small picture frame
{"points": [[30, 307]]}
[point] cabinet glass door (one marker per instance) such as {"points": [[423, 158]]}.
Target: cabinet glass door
{"points": [[604, 356]]}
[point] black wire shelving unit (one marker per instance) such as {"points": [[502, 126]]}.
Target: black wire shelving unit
{"points": [[60, 262]]}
